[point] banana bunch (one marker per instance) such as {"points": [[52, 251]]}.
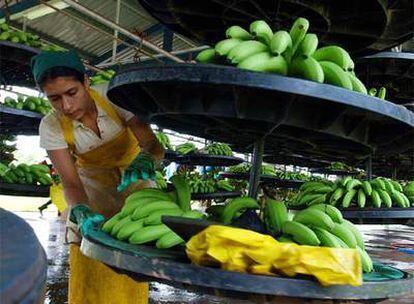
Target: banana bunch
{"points": [[186, 148], [35, 104], [377, 193], [268, 170], [17, 36], [202, 186], [338, 166], [240, 169], [218, 149], [313, 192], [291, 53], [409, 192], [291, 175], [224, 185], [102, 77], [25, 174], [139, 221], [237, 206], [7, 148], [164, 141], [160, 180], [318, 225]]}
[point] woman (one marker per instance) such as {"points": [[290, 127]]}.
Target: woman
{"points": [[90, 142]]}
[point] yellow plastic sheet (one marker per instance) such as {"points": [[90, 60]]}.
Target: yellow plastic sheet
{"points": [[243, 250], [57, 197]]}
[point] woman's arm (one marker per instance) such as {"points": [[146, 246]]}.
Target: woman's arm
{"points": [[146, 138], [73, 188]]}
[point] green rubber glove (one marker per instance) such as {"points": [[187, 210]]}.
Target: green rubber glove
{"points": [[383, 273], [142, 168], [85, 218]]}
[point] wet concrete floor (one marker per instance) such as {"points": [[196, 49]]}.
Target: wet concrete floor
{"points": [[384, 243]]}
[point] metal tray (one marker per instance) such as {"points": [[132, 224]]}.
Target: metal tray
{"points": [[19, 122], [24, 190]]}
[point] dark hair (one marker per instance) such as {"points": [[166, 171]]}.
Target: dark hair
{"points": [[60, 71]]}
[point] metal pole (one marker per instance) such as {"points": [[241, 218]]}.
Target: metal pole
{"points": [[255, 172], [368, 167], [115, 43], [120, 29]]}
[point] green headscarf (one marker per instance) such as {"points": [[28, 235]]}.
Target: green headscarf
{"points": [[50, 59]]}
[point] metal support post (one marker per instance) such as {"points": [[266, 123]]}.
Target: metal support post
{"points": [[255, 172], [115, 43], [368, 167]]}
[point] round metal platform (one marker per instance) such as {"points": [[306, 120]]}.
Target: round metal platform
{"points": [[379, 215], [295, 160], [392, 70], [360, 26], [215, 195], [200, 159], [24, 190], [15, 64], [334, 172], [19, 122], [23, 262], [182, 273], [266, 179], [230, 105]]}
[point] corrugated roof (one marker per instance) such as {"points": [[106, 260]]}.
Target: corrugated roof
{"points": [[92, 43]]}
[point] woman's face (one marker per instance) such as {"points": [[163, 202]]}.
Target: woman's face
{"points": [[68, 96]]}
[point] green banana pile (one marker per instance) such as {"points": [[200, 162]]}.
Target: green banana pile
{"points": [[346, 192], [225, 185], [31, 103], [206, 184], [218, 149], [240, 168], [7, 148], [25, 174], [164, 141], [294, 53], [186, 148], [139, 221], [160, 180], [102, 77], [317, 225], [16, 36], [381, 93], [292, 175]]}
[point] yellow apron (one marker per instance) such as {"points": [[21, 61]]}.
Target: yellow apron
{"points": [[100, 172]]}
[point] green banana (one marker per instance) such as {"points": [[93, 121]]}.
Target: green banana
{"points": [[396, 185], [361, 198], [366, 186], [372, 92], [357, 84], [109, 224], [336, 195], [308, 185], [146, 210], [308, 45], [334, 54], [168, 240], [355, 231], [235, 206], [183, 192], [306, 199], [307, 68], [409, 188], [262, 31], [146, 193], [148, 234], [237, 32], [300, 233], [246, 49], [321, 199], [155, 217], [366, 262], [297, 33], [345, 234], [194, 214], [332, 211], [376, 199], [285, 239], [389, 187], [280, 42], [128, 229], [378, 184], [207, 56], [326, 238], [334, 75], [345, 180], [385, 198], [382, 93], [264, 62], [120, 224], [346, 201], [275, 213], [399, 199], [223, 47], [129, 208], [315, 218]]}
